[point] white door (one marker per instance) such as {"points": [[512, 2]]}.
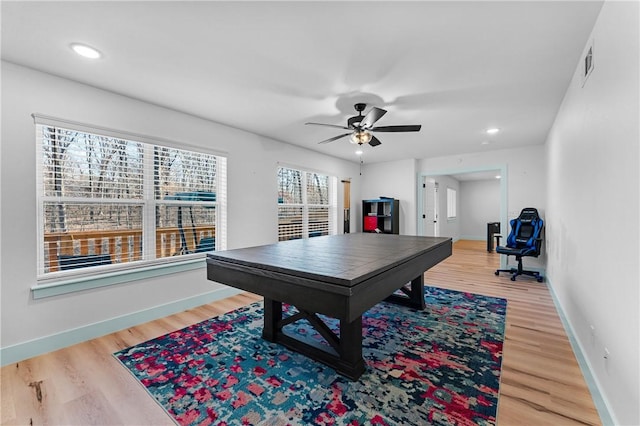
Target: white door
{"points": [[430, 216]]}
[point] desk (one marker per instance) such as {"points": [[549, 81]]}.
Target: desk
{"points": [[340, 276]]}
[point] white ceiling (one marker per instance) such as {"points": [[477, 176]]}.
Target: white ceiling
{"points": [[455, 67]]}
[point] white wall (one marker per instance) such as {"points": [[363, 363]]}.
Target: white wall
{"points": [[479, 205], [252, 198], [396, 179], [592, 225]]}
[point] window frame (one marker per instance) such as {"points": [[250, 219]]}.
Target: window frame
{"points": [[60, 282]]}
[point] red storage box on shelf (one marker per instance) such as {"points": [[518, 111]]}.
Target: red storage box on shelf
{"points": [[370, 223]]}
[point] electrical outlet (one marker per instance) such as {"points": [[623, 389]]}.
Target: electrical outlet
{"points": [[606, 363]]}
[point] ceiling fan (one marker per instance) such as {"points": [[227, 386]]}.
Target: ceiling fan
{"points": [[361, 126]]}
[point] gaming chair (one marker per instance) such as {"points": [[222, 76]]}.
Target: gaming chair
{"points": [[523, 240]]}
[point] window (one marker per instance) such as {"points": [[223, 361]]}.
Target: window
{"points": [[113, 202], [451, 203], [306, 204]]}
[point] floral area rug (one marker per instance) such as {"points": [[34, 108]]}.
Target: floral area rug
{"points": [[437, 366]]}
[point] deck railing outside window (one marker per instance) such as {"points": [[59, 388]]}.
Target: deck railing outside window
{"points": [[121, 246]]}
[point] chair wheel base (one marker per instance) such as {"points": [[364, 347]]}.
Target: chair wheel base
{"points": [[516, 272]]}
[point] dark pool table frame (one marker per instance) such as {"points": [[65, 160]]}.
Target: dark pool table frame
{"points": [[340, 276]]}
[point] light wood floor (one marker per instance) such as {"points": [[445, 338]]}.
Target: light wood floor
{"points": [[541, 382]]}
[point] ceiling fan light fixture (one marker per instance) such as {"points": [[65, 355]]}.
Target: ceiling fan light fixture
{"points": [[360, 137], [361, 127]]}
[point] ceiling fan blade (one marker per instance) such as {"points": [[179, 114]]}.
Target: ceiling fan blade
{"points": [[334, 138], [374, 141], [374, 115], [329, 125], [407, 128]]}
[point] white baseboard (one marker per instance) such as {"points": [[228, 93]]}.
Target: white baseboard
{"points": [[602, 405], [29, 349]]}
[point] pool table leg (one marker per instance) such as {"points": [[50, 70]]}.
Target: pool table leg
{"points": [[272, 319], [414, 295], [347, 358]]}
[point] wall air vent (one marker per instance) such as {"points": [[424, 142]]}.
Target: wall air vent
{"points": [[587, 63]]}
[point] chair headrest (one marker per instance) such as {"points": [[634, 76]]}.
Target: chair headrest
{"points": [[525, 229], [528, 214]]}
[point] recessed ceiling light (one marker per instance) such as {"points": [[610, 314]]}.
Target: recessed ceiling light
{"points": [[493, 131], [359, 152], [485, 143], [498, 176], [85, 51]]}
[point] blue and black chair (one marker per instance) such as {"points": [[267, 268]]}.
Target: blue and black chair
{"points": [[206, 244], [524, 240]]}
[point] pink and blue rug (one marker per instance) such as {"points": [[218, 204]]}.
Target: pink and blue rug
{"points": [[438, 366]]}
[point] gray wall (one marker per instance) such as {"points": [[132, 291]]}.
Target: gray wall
{"points": [[479, 204]]}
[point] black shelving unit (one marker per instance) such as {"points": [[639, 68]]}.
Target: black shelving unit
{"points": [[381, 215]]}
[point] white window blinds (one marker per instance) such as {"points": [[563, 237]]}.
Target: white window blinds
{"points": [[306, 204]]}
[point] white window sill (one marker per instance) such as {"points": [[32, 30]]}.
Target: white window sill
{"points": [[73, 284]]}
